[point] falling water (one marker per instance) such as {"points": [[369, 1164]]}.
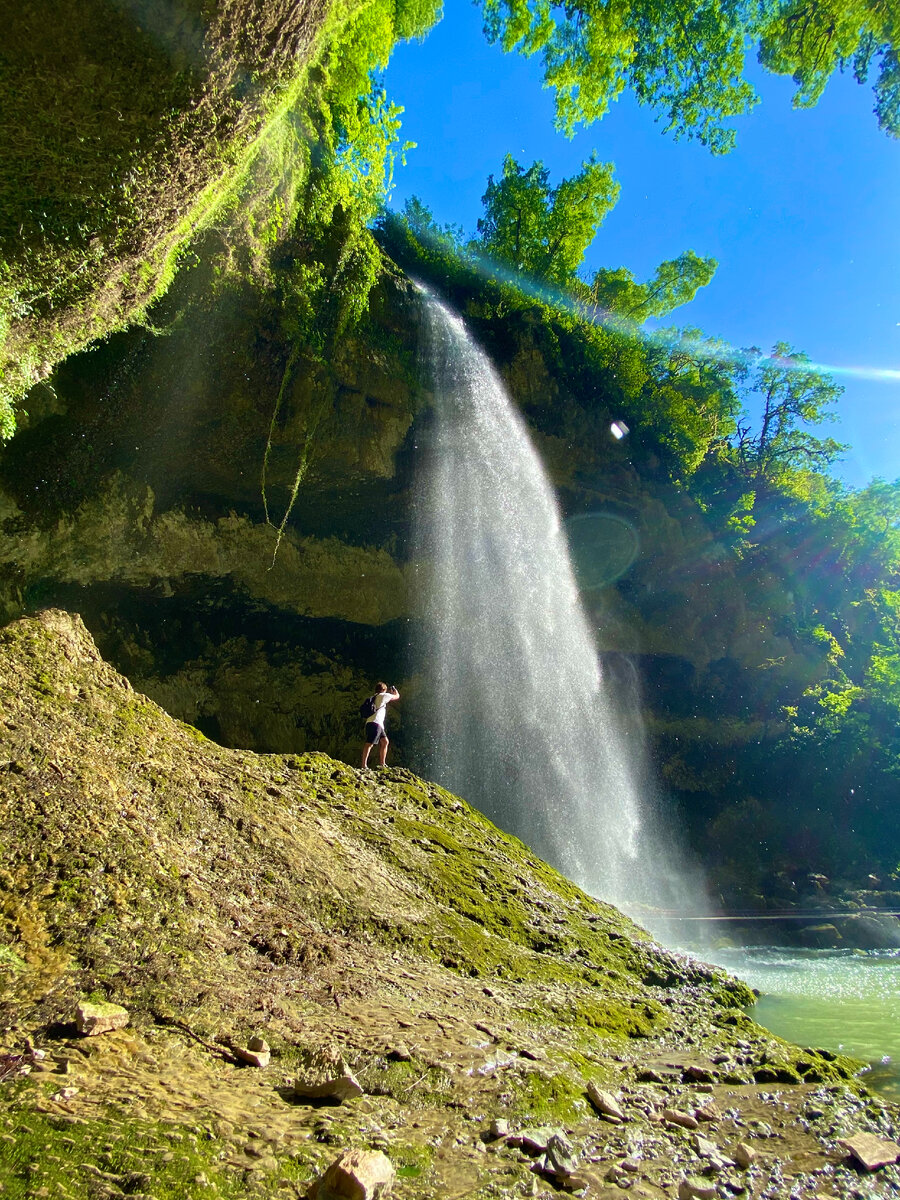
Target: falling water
{"points": [[522, 721]]}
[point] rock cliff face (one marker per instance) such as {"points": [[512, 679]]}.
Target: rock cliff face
{"points": [[135, 495], [408, 981], [122, 127]]}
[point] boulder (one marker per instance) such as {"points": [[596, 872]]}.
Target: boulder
{"points": [[821, 937], [871, 931]]}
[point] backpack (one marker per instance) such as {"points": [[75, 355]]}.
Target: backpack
{"points": [[367, 708]]}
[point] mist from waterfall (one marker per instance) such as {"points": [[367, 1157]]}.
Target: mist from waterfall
{"points": [[521, 720]]}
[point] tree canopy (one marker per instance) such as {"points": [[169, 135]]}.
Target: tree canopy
{"points": [[541, 230], [687, 61], [675, 282], [791, 395]]}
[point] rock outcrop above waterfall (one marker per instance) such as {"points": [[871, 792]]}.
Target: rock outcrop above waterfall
{"points": [[122, 129], [504, 1029]]}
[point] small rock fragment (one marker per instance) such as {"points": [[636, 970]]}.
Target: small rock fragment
{"points": [[356, 1175], [605, 1103], [255, 1058], [92, 1019], [744, 1155], [344, 1087], [685, 1120], [559, 1159], [871, 1152], [709, 1112], [65, 1093], [258, 1045], [534, 1140], [499, 1128], [400, 1052], [697, 1189], [705, 1148]]}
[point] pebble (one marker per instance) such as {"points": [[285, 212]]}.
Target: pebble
{"points": [[685, 1120], [606, 1103], [254, 1058]]}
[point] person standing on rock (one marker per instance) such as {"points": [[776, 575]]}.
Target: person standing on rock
{"points": [[375, 734]]}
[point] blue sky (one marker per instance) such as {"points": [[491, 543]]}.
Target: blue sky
{"points": [[802, 215]]}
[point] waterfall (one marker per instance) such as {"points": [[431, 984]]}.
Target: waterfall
{"points": [[520, 718]]}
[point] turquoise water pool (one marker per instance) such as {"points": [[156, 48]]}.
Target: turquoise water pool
{"points": [[841, 1000]]}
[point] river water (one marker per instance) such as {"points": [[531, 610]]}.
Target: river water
{"points": [[842, 1000]]}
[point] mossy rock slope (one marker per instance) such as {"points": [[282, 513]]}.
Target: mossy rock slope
{"points": [[361, 919]]}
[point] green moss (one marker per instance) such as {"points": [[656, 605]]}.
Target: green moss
{"points": [[556, 1099], [412, 1161], [10, 961], [64, 1158], [120, 152]]}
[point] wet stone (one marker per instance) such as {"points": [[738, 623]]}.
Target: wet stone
{"points": [[356, 1175], [685, 1120], [254, 1058], [341, 1088], [534, 1140]]}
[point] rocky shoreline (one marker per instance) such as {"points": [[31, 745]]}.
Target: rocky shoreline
{"points": [[316, 962]]}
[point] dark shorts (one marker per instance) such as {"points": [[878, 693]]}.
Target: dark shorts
{"points": [[374, 733]]}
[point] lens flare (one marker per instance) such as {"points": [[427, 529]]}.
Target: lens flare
{"points": [[672, 339]]}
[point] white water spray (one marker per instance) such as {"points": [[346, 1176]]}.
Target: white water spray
{"points": [[522, 722]]}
